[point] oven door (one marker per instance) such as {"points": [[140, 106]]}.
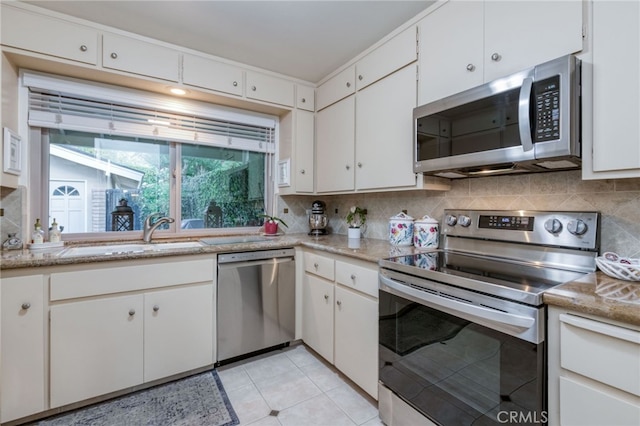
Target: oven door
{"points": [[456, 357]]}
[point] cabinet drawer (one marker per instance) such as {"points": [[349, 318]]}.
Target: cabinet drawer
{"points": [[336, 88], [51, 36], [601, 351], [140, 57], [358, 277], [587, 406], [269, 89], [214, 75], [391, 56], [319, 265], [305, 98], [94, 282]]}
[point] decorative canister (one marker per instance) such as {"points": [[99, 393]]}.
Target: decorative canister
{"points": [[401, 230], [425, 233]]}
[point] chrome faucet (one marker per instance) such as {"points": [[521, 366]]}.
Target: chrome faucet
{"points": [[150, 227]]}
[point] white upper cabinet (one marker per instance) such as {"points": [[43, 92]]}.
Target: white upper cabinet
{"points": [[338, 87], [213, 75], [614, 66], [51, 36], [466, 43], [303, 168], [271, 89], [140, 57], [305, 98]]}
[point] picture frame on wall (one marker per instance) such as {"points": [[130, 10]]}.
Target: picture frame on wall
{"points": [[12, 159]]}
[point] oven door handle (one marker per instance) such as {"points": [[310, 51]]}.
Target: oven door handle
{"points": [[455, 305]]}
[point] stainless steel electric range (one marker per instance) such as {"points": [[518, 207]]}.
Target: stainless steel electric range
{"points": [[462, 328]]}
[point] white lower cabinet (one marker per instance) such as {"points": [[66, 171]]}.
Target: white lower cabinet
{"points": [[340, 315], [22, 357]]}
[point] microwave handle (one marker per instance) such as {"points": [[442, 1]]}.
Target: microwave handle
{"points": [[524, 123]]}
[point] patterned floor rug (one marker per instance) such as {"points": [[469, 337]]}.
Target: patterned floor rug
{"points": [[198, 400]]}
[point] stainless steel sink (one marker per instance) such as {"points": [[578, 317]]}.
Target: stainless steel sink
{"points": [[120, 249], [234, 239], [175, 246]]}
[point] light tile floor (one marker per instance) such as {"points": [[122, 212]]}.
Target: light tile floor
{"points": [[295, 387]]}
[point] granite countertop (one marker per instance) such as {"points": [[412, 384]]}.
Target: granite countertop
{"points": [[596, 293], [601, 295]]}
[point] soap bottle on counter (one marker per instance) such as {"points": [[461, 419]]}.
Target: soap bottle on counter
{"points": [[38, 233], [54, 233]]}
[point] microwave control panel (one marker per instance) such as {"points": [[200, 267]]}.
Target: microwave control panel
{"points": [[546, 110]]}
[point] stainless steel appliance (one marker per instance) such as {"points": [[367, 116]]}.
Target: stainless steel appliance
{"points": [[462, 328], [317, 219], [526, 122], [255, 302]]}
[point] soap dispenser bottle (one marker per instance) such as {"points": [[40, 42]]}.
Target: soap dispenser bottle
{"points": [[54, 233], [38, 233]]}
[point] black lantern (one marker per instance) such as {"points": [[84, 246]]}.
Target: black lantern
{"points": [[122, 217]]}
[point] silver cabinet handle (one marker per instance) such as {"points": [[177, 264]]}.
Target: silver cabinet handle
{"points": [[360, 165], [348, 84], [339, 303], [496, 57], [26, 305], [156, 308], [132, 312], [303, 100], [83, 48], [302, 171], [315, 265], [326, 297], [471, 67], [360, 77], [235, 84], [253, 88], [353, 277]]}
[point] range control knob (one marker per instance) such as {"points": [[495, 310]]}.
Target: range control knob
{"points": [[464, 220], [553, 226], [451, 220], [577, 227]]}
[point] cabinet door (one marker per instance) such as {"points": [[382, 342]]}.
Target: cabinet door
{"points": [[96, 347], [178, 330], [213, 75], [337, 87], [269, 89], [317, 315], [356, 338], [51, 36], [140, 57], [335, 132], [451, 50], [616, 91], [303, 167], [305, 98], [23, 351], [526, 33], [384, 132]]}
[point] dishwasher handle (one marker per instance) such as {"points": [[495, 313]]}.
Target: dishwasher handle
{"points": [[272, 261]]}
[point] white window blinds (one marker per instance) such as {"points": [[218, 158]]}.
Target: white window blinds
{"points": [[77, 105]]}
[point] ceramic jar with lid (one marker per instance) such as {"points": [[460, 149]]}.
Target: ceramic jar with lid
{"points": [[426, 233], [401, 230]]}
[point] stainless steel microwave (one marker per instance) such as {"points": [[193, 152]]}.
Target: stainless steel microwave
{"points": [[526, 122]]}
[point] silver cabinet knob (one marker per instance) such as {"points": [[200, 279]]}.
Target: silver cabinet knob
{"points": [[114, 55], [26, 305], [347, 167], [471, 67], [360, 77], [302, 171], [360, 165], [156, 308], [496, 57], [339, 303], [83, 48], [132, 312], [235, 84], [303, 100], [326, 297], [253, 88], [315, 265], [353, 277], [348, 84]]}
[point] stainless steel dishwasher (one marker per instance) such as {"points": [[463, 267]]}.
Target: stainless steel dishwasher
{"points": [[255, 302]]}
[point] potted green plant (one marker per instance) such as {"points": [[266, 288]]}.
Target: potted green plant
{"points": [[356, 218], [271, 224]]}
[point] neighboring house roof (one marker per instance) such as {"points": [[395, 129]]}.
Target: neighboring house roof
{"points": [[88, 160]]}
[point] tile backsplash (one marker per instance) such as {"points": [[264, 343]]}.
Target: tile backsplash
{"points": [[13, 205], [617, 199]]}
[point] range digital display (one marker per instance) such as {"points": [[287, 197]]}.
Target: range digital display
{"points": [[514, 223]]}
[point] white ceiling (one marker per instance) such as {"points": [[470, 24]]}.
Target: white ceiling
{"points": [[302, 39]]}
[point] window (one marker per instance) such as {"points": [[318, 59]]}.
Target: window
{"points": [[207, 172]]}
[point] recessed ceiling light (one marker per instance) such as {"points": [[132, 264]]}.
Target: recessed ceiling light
{"points": [[178, 91]]}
